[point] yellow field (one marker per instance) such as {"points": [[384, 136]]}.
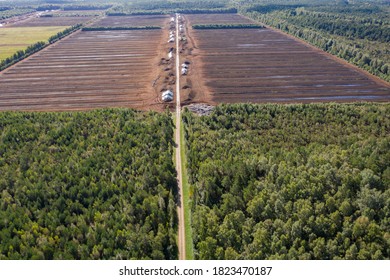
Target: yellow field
{"points": [[13, 39]]}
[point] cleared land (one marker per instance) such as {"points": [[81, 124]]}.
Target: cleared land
{"points": [[131, 69], [263, 65], [77, 13], [86, 70], [218, 19], [119, 21], [52, 21], [19, 38]]}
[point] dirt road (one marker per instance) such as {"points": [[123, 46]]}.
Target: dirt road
{"points": [[180, 206]]}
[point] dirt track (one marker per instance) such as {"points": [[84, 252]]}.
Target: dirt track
{"points": [[178, 162]]}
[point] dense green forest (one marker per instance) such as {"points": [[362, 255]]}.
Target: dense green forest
{"points": [[7, 12], [10, 8], [87, 185], [290, 181], [267, 181]]}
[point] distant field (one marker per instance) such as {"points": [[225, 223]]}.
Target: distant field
{"points": [[77, 13], [18, 38], [218, 19], [116, 21], [53, 21]]}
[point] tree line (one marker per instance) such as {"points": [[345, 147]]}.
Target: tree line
{"points": [[36, 47], [87, 185], [64, 33], [290, 181], [73, 7], [22, 54], [87, 7], [8, 12], [351, 26]]}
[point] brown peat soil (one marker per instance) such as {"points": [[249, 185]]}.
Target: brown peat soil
{"points": [[98, 69], [264, 65]]}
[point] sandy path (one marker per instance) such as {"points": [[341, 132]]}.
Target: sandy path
{"points": [[180, 206]]}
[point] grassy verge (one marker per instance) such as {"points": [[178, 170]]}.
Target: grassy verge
{"points": [[174, 133], [14, 39], [186, 198]]}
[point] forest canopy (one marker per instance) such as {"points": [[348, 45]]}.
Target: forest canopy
{"points": [[267, 181], [87, 185], [290, 181]]}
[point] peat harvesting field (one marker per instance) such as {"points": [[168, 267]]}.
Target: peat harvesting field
{"points": [[89, 69], [264, 65], [120, 21]]}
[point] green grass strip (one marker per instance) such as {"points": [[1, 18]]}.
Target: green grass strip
{"points": [[186, 198]]}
